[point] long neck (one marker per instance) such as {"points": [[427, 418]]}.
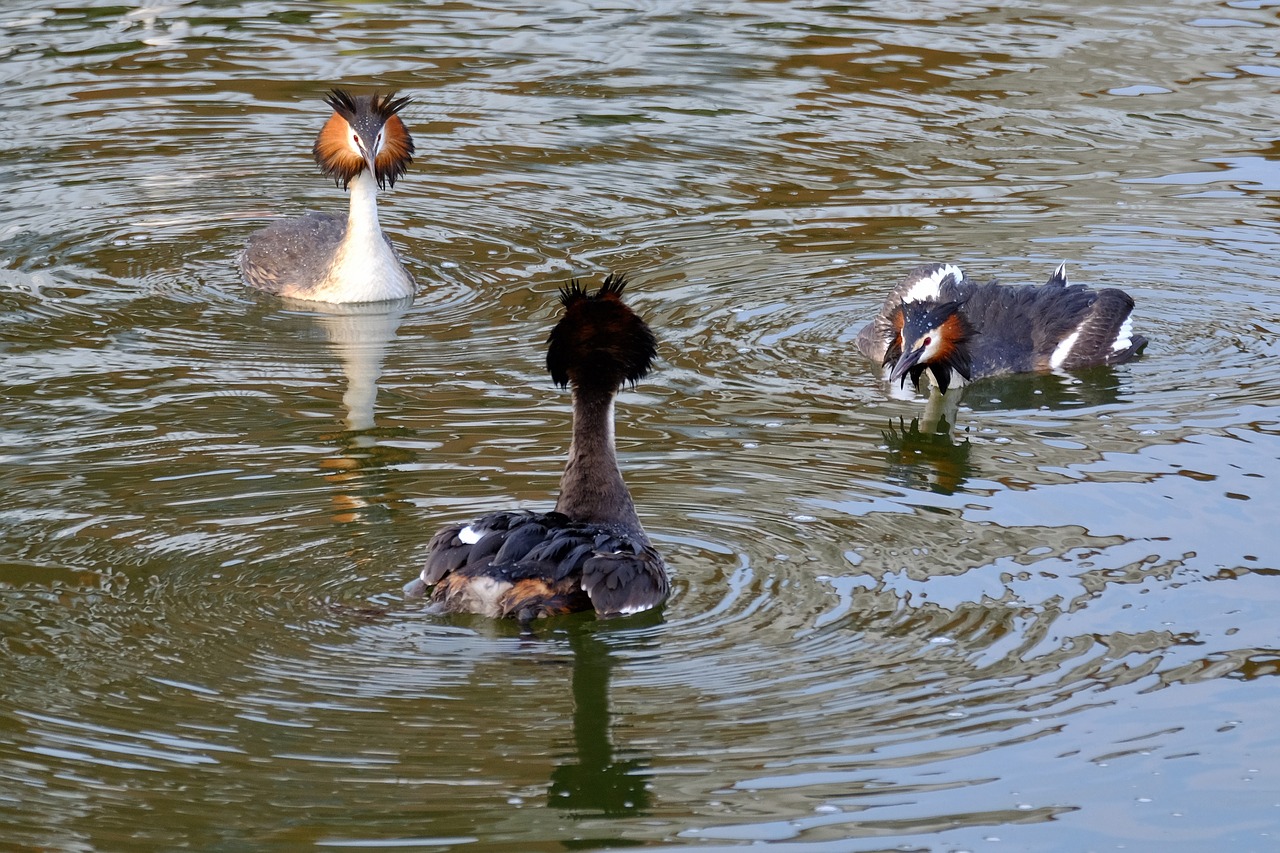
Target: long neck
{"points": [[592, 488], [362, 219], [364, 267]]}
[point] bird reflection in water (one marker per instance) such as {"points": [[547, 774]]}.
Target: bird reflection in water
{"points": [[596, 782], [930, 454], [360, 335], [929, 459]]}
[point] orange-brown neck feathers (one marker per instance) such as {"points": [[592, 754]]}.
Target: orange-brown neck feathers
{"points": [[894, 351], [930, 336], [600, 343], [951, 333], [334, 152], [397, 150], [364, 132]]}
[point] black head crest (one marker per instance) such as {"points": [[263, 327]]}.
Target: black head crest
{"points": [[599, 343], [381, 107], [343, 103]]}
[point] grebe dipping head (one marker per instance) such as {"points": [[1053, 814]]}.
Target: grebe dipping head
{"points": [[321, 257], [591, 552], [956, 330]]}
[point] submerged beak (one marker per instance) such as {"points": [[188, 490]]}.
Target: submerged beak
{"points": [[904, 365]]}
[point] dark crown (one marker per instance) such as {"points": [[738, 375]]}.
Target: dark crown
{"points": [[379, 107], [599, 343]]}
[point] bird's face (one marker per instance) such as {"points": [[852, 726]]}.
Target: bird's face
{"points": [[365, 140], [365, 132], [929, 336]]}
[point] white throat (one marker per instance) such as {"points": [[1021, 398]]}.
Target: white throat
{"points": [[365, 267]]}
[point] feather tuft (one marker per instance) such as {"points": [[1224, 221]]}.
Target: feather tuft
{"points": [[599, 343]]}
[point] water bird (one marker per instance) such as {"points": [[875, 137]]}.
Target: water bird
{"points": [[322, 257], [939, 324], [590, 552]]}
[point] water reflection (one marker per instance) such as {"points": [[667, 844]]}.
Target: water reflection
{"points": [[1052, 392], [596, 781], [936, 451], [359, 335], [932, 459]]}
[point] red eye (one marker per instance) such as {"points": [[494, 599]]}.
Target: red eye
{"points": [[926, 342]]}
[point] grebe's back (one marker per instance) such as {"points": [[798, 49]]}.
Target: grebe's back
{"points": [[591, 552], [527, 565], [285, 255]]}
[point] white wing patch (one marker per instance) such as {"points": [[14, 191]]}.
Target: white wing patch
{"points": [[1063, 350], [1124, 337], [469, 535], [928, 287]]}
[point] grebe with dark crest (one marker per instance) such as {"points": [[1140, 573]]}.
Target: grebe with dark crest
{"points": [[939, 323], [326, 258], [591, 551]]}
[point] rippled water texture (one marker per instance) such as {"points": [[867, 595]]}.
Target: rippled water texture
{"points": [[1056, 633]]}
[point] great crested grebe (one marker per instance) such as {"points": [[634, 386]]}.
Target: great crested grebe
{"points": [[590, 552], [326, 258], [939, 323]]}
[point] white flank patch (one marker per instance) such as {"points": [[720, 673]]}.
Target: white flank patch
{"points": [[482, 596], [469, 536], [1124, 337], [1063, 350], [928, 287]]}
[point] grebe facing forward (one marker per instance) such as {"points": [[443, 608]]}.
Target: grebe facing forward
{"points": [[326, 258], [939, 322], [590, 552]]}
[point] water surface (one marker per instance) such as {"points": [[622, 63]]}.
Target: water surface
{"points": [[1053, 633]]}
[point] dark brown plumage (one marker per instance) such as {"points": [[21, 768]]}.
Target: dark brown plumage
{"points": [[598, 343], [591, 552]]}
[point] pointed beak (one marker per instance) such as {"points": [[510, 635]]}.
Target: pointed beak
{"points": [[370, 164], [905, 363], [368, 152]]}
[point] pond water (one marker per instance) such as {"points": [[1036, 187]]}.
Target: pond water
{"points": [[1056, 632]]}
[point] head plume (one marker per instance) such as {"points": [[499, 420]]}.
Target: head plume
{"points": [[364, 132], [599, 343]]}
